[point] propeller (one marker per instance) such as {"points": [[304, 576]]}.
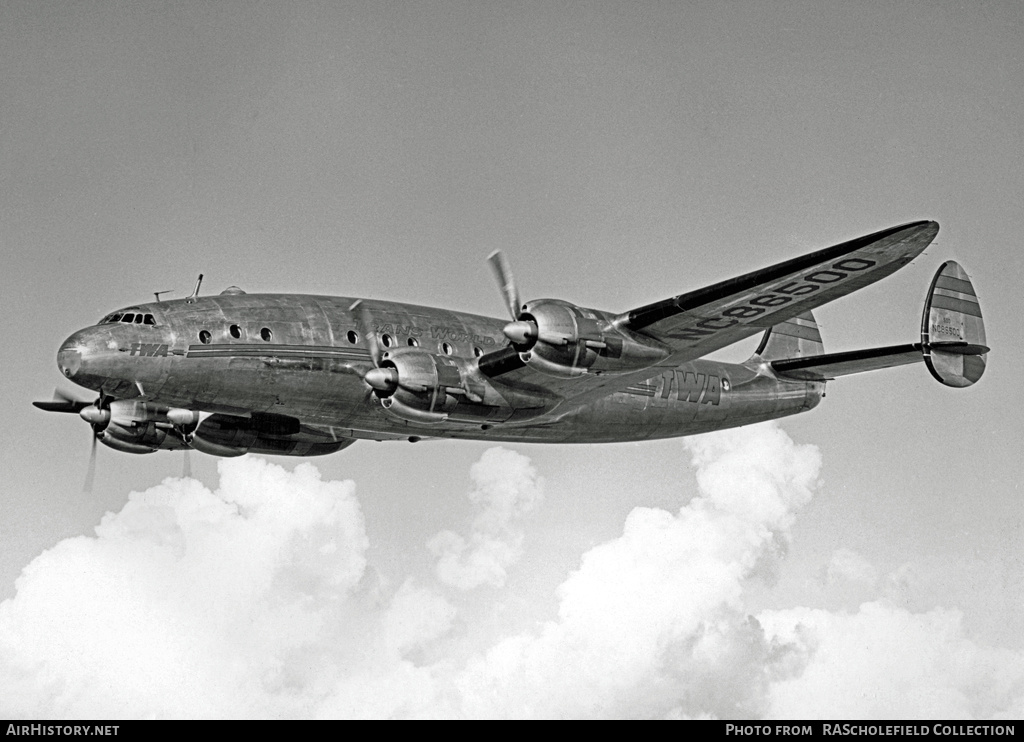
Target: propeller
{"points": [[380, 378], [519, 331], [92, 412], [97, 415]]}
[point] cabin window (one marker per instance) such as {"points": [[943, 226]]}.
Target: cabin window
{"points": [[138, 319], [236, 331], [387, 341], [149, 320], [266, 334], [204, 337], [352, 337], [129, 317], [447, 349], [477, 352], [413, 342]]}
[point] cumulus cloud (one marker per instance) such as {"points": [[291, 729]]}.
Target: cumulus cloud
{"points": [[651, 624], [505, 487], [884, 662], [846, 565], [256, 600], [239, 602]]}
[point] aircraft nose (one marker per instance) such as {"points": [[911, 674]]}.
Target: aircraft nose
{"points": [[77, 349], [69, 357]]}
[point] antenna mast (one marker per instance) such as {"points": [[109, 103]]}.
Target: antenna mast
{"points": [[191, 299]]}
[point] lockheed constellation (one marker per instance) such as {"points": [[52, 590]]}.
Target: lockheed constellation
{"points": [[301, 375]]}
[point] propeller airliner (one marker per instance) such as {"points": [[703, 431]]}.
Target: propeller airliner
{"points": [[300, 375]]}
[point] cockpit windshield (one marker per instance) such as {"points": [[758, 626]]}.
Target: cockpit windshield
{"points": [[129, 317]]}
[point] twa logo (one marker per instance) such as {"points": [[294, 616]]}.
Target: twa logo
{"points": [[151, 350]]}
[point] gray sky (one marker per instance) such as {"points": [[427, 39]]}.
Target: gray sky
{"points": [[619, 153]]}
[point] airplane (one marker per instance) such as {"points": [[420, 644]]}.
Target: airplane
{"points": [[303, 375]]}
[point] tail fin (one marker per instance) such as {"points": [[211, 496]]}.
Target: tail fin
{"points": [[952, 340], [795, 338], [952, 332]]}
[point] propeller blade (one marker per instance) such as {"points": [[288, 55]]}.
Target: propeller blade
{"points": [[186, 466], [506, 282], [62, 403], [90, 474], [366, 330]]}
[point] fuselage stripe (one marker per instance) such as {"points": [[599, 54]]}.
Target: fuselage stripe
{"points": [[280, 351]]}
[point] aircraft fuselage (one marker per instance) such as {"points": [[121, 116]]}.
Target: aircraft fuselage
{"points": [[305, 357]]}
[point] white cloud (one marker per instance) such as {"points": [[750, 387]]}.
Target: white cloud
{"points": [[847, 565], [506, 487], [884, 662], [651, 622], [256, 600], [239, 602]]}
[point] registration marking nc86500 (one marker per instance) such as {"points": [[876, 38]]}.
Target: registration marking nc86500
{"points": [[778, 297]]}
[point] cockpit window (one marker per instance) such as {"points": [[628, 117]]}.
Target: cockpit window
{"points": [[137, 318]]}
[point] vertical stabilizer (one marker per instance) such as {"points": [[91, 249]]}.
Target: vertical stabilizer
{"points": [[952, 331], [795, 338]]}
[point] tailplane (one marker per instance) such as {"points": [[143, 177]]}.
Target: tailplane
{"points": [[952, 340]]}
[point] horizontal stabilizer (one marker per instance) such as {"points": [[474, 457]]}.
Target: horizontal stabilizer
{"points": [[830, 365]]}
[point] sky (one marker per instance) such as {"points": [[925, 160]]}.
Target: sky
{"points": [[863, 560]]}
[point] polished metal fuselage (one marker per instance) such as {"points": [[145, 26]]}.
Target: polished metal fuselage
{"points": [[305, 357]]}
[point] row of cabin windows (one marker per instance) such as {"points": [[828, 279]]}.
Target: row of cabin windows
{"points": [[129, 318], [352, 336], [236, 332]]}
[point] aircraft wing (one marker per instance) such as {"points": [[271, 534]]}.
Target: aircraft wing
{"points": [[700, 322], [711, 318]]}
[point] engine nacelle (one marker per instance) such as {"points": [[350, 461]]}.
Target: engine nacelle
{"points": [[425, 388], [134, 426], [571, 341], [110, 437]]}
